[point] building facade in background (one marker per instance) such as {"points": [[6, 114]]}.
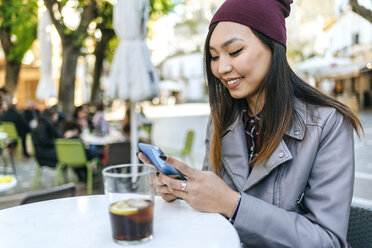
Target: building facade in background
{"points": [[185, 65], [342, 66]]}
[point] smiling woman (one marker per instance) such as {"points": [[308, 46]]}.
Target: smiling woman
{"points": [[279, 162]]}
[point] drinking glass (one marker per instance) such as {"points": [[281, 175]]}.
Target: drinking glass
{"points": [[130, 193]]}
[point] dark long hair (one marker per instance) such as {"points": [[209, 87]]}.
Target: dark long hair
{"points": [[281, 85]]}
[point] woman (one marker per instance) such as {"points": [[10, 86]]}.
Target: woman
{"points": [[281, 152], [44, 136], [80, 115], [99, 123]]}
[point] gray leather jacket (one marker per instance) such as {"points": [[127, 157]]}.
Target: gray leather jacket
{"points": [[301, 196]]}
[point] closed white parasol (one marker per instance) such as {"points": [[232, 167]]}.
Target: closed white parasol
{"points": [[46, 87], [132, 77]]}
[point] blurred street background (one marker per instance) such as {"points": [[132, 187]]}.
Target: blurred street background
{"points": [[65, 56]]}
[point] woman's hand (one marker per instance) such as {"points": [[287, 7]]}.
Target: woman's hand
{"points": [[160, 187], [204, 191]]}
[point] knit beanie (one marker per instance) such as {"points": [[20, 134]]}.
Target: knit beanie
{"points": [[266, 16]]}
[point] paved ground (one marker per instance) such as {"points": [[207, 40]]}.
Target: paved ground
{"points": [[363, 163], [169, 132], [25, 177]]}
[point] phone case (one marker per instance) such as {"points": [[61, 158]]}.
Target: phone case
{"points": [[153, 153]]}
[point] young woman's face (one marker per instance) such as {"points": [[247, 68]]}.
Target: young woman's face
{"points": [[239, 59], [82, 114], [55, 117]]}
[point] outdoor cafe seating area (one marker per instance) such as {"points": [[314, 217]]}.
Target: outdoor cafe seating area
{"points": [[55, 198], [20, 176], [24, 181]]}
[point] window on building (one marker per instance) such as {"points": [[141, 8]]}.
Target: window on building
{"points": [[355, 38]]}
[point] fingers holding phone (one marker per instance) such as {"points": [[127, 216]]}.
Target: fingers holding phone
{"points": [[185, 170], [144, 159], [156, 156], [160, 187], [163, 190]]}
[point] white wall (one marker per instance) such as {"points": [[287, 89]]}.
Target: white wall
{"points": [[187, 68], [340, 35]]}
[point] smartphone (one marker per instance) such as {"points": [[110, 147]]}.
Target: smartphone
{"points": [[153, 153]]}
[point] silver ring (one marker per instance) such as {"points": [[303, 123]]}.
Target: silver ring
{"points": [[184, 185]]}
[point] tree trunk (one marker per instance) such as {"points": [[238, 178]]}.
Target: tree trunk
{"points": [[12, 75], [99, 53], [360, 10], [12, 66], [67, 80]]}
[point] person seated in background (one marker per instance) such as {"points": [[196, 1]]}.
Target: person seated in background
{"points": [[10, 114], [72, 130], [100, 125], [5, 95], [61, 117], [31, 114], [80, 115], [44, 136]]}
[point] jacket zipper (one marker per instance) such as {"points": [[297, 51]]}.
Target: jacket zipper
{"points": [[276, 193]]}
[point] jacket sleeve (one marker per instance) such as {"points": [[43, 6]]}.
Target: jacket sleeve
{"points": [[328, 199]]}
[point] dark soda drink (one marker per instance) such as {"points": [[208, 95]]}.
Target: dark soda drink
{"points": [[132, 220]]}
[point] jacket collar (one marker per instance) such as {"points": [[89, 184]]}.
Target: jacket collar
{"points": [[237, 167], [297, 128], [280, 155]]}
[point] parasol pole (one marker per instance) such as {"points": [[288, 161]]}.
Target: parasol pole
{"points": [[133, 132]]}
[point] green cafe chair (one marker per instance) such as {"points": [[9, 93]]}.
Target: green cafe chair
{"points": [[71, 155], [12, 136], [186, 152], [10, 128]]}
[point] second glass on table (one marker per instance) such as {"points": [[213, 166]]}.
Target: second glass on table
{"points": [[130, 193]]}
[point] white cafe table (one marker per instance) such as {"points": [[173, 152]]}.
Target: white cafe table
{"points": [[90, 139], [4, 186], [84, 222], [113, 137]]}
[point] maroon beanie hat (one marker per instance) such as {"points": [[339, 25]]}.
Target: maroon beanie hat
{"points": [[266, 16]]}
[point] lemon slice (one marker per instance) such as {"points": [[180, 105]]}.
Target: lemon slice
{"points": [[6, 179], [122, 208]]}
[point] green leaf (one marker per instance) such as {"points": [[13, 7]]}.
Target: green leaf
{"points": [[19, 19]]}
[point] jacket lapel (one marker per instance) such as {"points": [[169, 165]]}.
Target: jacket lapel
{"points": [[280, 155], [235, 154]]}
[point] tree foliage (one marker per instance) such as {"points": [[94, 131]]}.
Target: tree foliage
{"points": [[158, 9], [107, 42], [86, 9], [18, 24]]}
